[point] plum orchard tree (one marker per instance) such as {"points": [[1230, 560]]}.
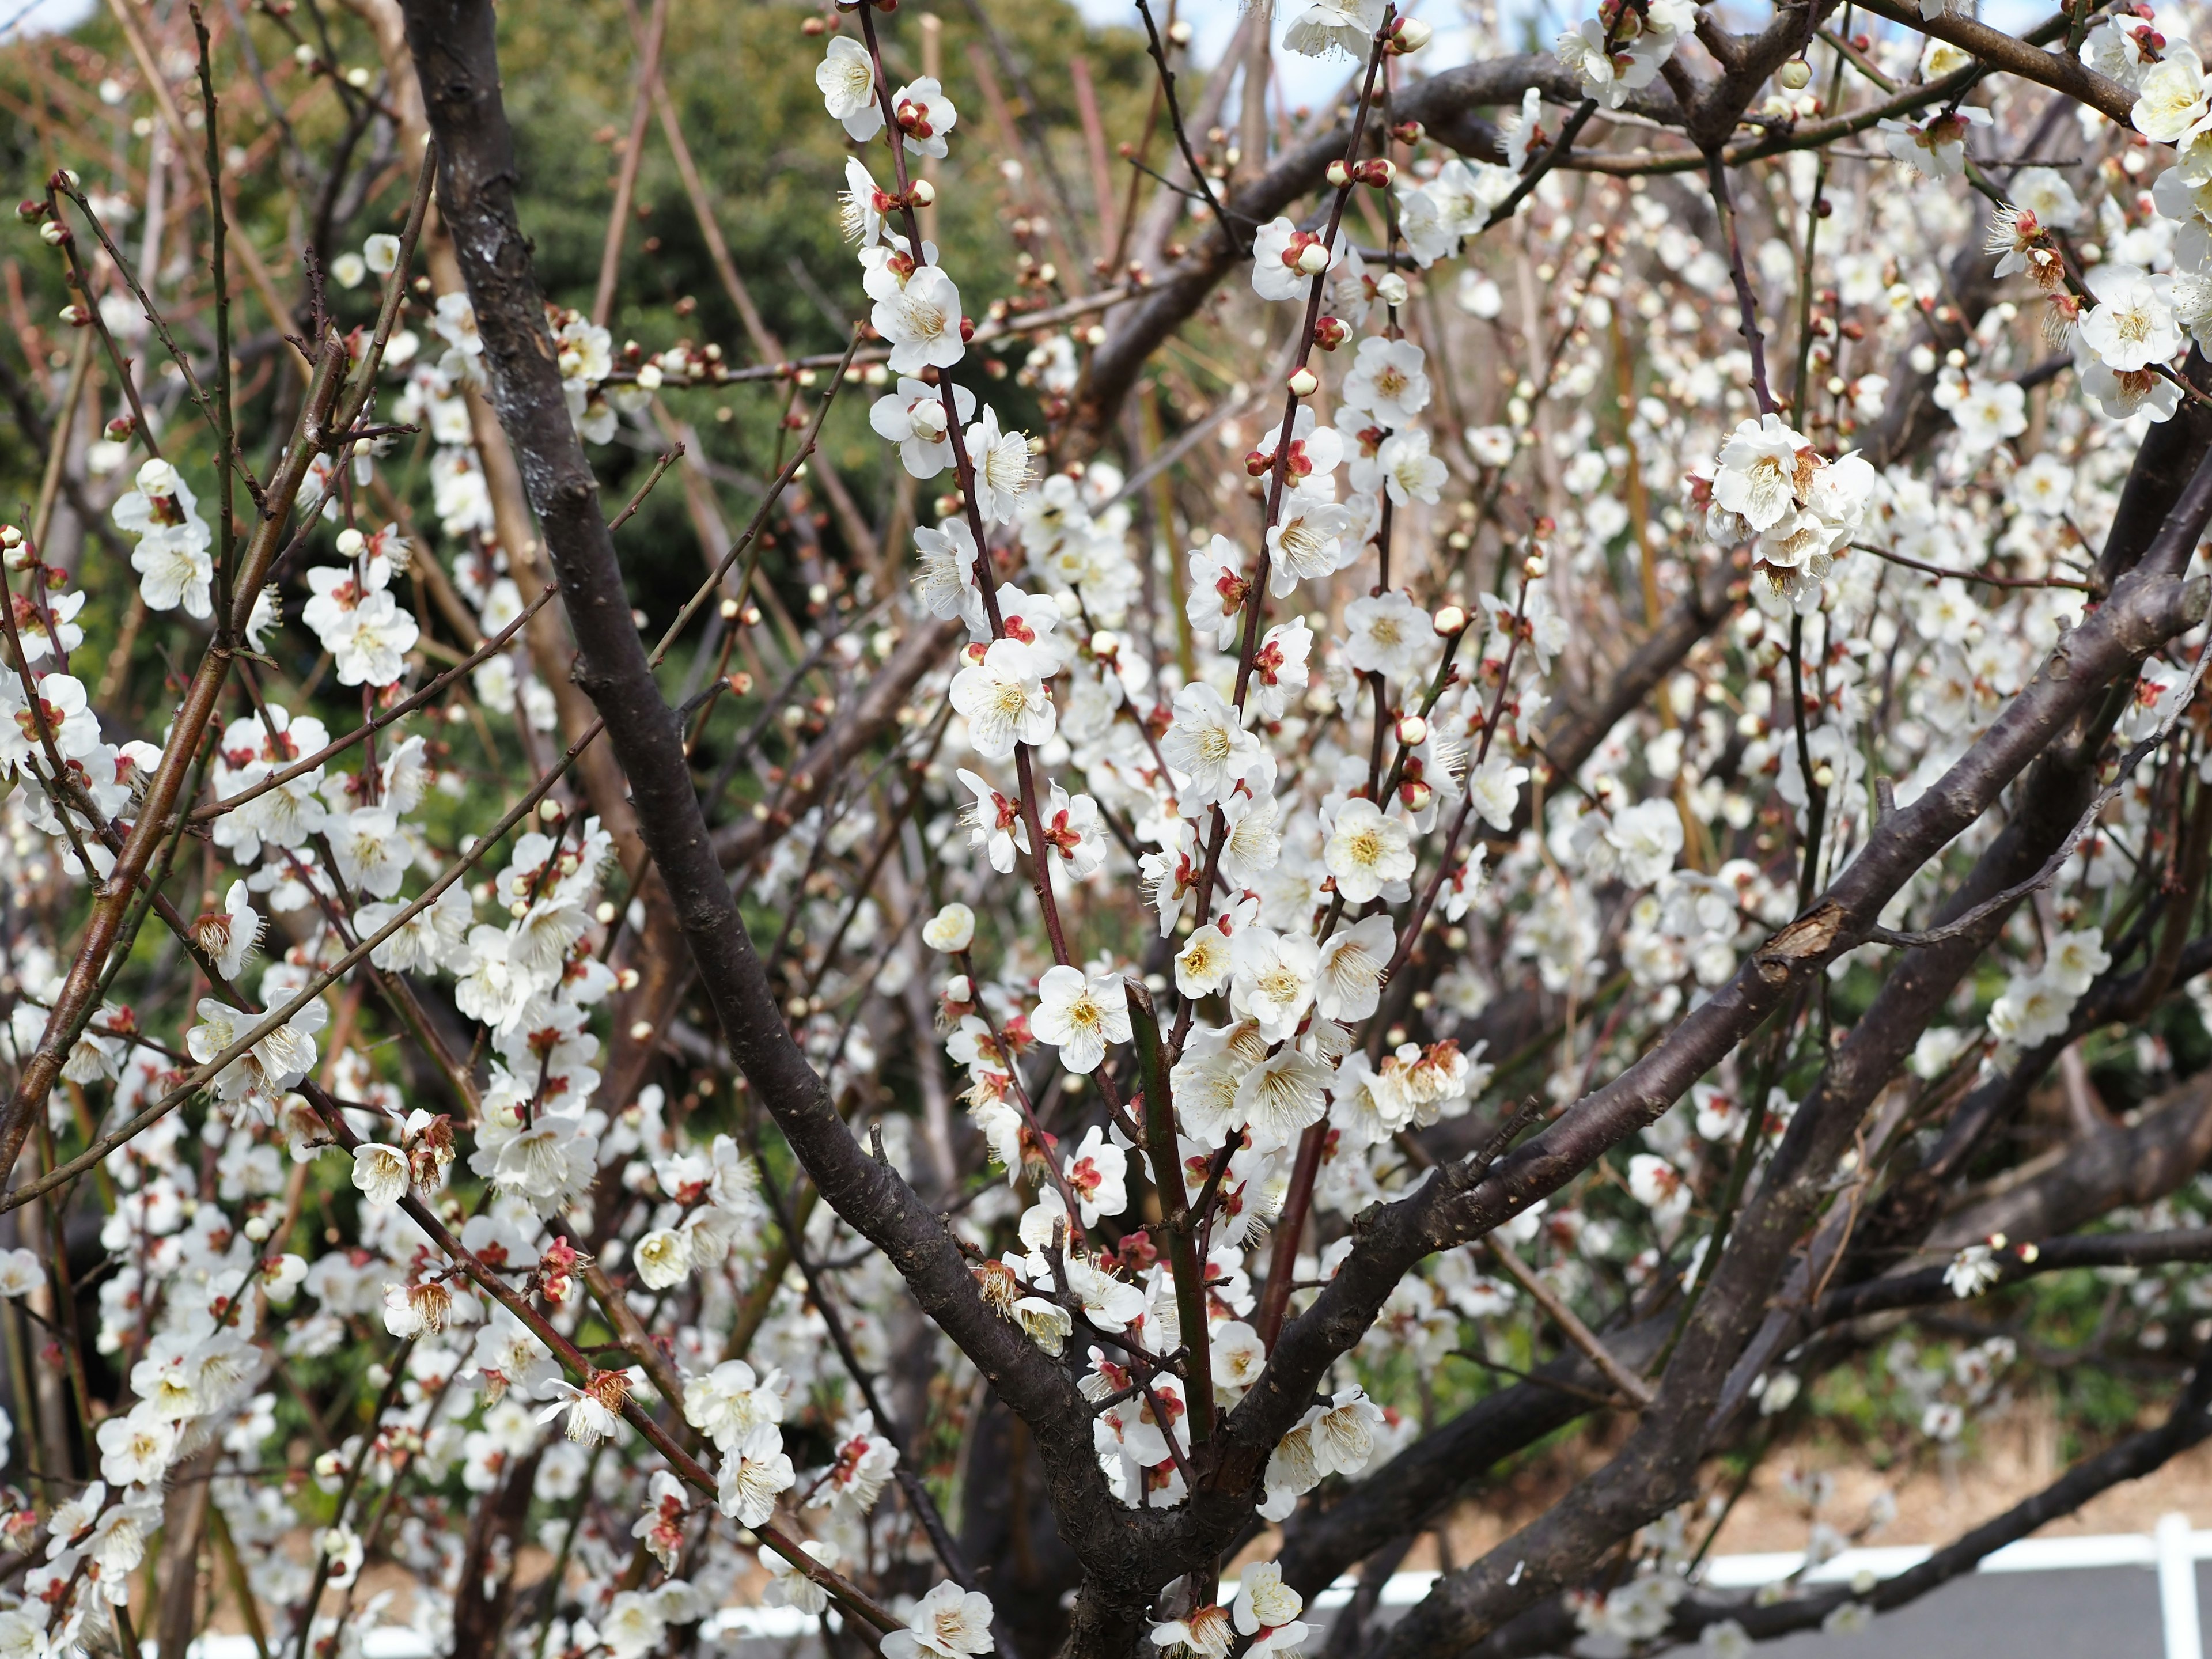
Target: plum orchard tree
{"points": [[1481, 796]]}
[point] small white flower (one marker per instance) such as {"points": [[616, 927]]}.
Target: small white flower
{"points": [[1002, 468], [1495, 789], [2132, 325], [1349, 985], [1388, 634], [1367, 850], [753, 1474], [1208, 745], [2170, 105], [948, 1623], [921, 321], [1327, 26], [1080, 1016], [847, 81], [1281, 1097], [1274, 979], [663, 1257], [1388, 380], [19, 1272], [1004, 700], [925, 115], [1410, 473], [380, 1173]]}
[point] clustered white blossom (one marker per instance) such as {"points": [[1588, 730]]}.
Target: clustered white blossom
{"points": [[1285, 779]]}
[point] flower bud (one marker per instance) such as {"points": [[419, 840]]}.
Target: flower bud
{"points": [[66, 179], [1313, 258], [1409, 132], [1331, 332], [1795, 75], [1416, 795], [1408, 35], [1303, 385], [1339, 174], [1413, 730], [1378, 172], [1450, 620], [351, 542], [75, 316], [120, 429], [1179, 32], [1533, 567], [922, 192], [1257, 463], [1391, 290], [30, 212], [1105, 644], [54, 233], [959, 990]]}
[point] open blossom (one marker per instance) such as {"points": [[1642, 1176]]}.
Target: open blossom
{"points": [[172, 558], [1207, 743], [1205, 1633], [847, 81], [2171, 104], [1267, 1610], [1097, 1174], [1002, 467], [1648, 837], [729, 1402], [1273, 979], [1495, 791], [1080, 1016], [1389, 380], [925, 115], [1281, 1097], [1388, 634], [1004, 700], [1348, 984], [1935, 147], [1326, 25], [1219, 590], [948, 1623], [1308, 544], [1622, 49], [755, 1470], [921, 320], [944, 576], [1072, 830], [2132, 325], [1410, 472], [381, 1172], [1765, 469], [1367, 850]]}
